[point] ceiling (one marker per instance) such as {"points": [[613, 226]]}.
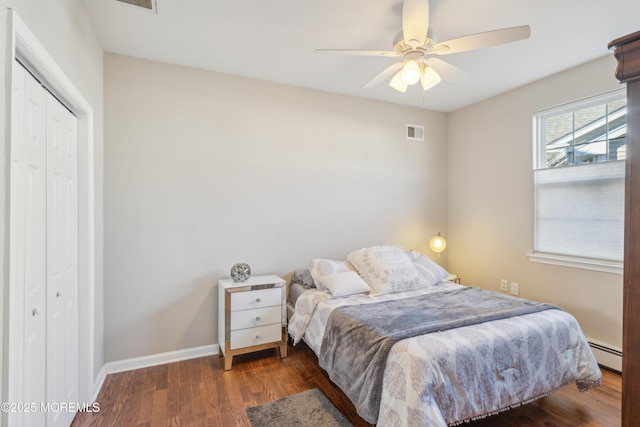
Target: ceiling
{"points": [[275, 40]]}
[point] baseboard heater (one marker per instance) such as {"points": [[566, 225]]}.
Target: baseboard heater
{"points": [[607, 355]]}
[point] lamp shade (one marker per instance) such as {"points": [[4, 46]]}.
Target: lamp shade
{"points": [[397, 83], [429, 78], [411, 72], [437, 243]]}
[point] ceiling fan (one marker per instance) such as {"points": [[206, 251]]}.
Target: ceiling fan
{"points": [[417, 46]]}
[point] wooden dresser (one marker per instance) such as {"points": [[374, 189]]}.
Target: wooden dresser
{"points": [[627, 51]]}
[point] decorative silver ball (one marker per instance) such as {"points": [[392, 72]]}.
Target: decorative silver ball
{"points": [[240, 272]]}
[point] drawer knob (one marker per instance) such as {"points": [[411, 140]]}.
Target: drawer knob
{"points": [[257, 299], [257, 337], [258, 319], [35, 312]]}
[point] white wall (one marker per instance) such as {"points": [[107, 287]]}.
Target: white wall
{"points": [[203, 170], [64, 29], [490, 213]]}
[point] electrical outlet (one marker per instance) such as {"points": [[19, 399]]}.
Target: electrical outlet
{"points": [[504, 285], [515, 288]]}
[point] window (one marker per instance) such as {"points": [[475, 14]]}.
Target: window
{"points": [[579, 181]]}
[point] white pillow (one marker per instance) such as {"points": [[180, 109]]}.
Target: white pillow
{"points": [[431, 271], [321, 268], [386, 269], [345, 283]]}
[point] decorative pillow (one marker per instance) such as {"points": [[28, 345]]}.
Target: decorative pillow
{"points": [[320, 268], [303, 276], [386, 269], [431, 271], [345, 283]]}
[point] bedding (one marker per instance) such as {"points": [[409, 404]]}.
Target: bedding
{"points": [[357, 339], [320, 268], [303, 277], [429, 269], [345, 283], [454, 375], [386, 269]]}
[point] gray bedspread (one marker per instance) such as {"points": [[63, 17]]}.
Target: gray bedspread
{"points": [[358, 339]]}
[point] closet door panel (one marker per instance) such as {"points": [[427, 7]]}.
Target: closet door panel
{"points": [[34, 289], [28, 165], [34, 176], [62, 256]]}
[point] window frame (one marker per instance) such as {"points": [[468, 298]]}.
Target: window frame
{"points": [[540, 163], [539, 150]]}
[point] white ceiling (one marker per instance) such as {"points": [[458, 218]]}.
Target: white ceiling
{"points": [[275, 40]]}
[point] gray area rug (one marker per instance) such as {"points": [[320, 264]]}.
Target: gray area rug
{"points": [[309, 408]]}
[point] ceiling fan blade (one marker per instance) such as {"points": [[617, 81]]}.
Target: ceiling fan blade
{"points": [[415, 21], [359, 52], [384, 75], [447, 71], [482, 40]]}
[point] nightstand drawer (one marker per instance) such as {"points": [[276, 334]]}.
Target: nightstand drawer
{"points": [[256, 299], [255, 336], [258, 317]]}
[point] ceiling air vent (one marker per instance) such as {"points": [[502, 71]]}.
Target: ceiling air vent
{"points": [[415, 133], [145, 4]]}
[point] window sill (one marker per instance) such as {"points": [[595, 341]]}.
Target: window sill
{"points": [[583, 263]]}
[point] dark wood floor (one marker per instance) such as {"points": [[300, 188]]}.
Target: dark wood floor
{"points": [[199, 392]]}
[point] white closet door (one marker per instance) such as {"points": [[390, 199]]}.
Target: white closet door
{"points": [[43, 311], [28, 247], [62, 260]]}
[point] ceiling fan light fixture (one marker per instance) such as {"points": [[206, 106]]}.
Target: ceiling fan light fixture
{"points": [[411, 72], [417, 45], [398, 83], [429, 78]]}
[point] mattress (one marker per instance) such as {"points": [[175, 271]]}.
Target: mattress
{"points": [[295, 290]]}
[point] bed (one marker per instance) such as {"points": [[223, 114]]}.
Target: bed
{"points": [[409, 347]]}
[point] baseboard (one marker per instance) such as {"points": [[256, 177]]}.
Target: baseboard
{"points": [[97, 386], [606, 355], [160, 359]]}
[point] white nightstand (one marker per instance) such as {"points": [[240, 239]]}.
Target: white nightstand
{"points": [[252, 316], [453, 278]]}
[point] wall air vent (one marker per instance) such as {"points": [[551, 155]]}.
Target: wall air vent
{"points": [[145, 4], [415, 132]]}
